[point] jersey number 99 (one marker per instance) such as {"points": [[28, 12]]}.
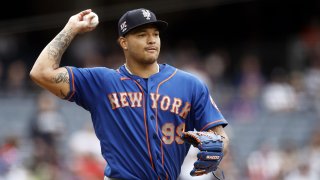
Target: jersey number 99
{"points": [[171, 133]]}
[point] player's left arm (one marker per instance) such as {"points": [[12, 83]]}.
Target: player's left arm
{"points": [[212, 145], [219, 130]]}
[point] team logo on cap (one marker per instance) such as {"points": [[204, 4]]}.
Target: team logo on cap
{"points": [[146, 13], [123, 26]]}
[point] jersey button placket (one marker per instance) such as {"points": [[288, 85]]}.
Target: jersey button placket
{"points": [[155, 136]]}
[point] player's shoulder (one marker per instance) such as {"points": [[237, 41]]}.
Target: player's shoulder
{"points": [[98, 69], [94, 70], [178, 72], [189, 76], [185, 78]]}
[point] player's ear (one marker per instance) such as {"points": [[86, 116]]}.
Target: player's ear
{"points": [[123, 42]]}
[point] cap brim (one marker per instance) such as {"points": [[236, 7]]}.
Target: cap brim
{"points": [[161, 25]]}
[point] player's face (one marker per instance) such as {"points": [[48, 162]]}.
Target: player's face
{"points": [[143, 45]]}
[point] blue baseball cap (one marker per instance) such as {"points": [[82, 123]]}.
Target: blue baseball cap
{"points": [[138, 17]]}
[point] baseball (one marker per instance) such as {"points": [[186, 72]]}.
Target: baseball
{"points": [[94, 21]]}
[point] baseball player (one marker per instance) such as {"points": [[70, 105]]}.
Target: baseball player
{"points": [[141, 110]]}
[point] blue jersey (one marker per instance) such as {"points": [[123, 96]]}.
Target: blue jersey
{"points": [[139, 121]]}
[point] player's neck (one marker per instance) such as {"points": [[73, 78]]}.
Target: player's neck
{"points": [[144, 71]]}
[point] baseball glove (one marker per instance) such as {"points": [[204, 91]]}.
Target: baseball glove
{"points": [[211, 151]]}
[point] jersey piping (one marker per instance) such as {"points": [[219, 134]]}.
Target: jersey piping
{"points": [[71, 84], [157, 92], [145, 124], [214, 122]]}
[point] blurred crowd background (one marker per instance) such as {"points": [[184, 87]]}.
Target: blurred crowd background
{"points": [[261, 60]]}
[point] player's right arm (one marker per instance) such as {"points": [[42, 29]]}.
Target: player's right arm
{"points": [[46, 71]]}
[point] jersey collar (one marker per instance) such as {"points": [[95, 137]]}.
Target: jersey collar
{"points": [[165, 71]]}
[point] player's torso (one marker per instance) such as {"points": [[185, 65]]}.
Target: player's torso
{"points": [[147, 115]]}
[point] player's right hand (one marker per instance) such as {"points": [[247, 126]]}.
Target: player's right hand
{"points": [[78, 24]]}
